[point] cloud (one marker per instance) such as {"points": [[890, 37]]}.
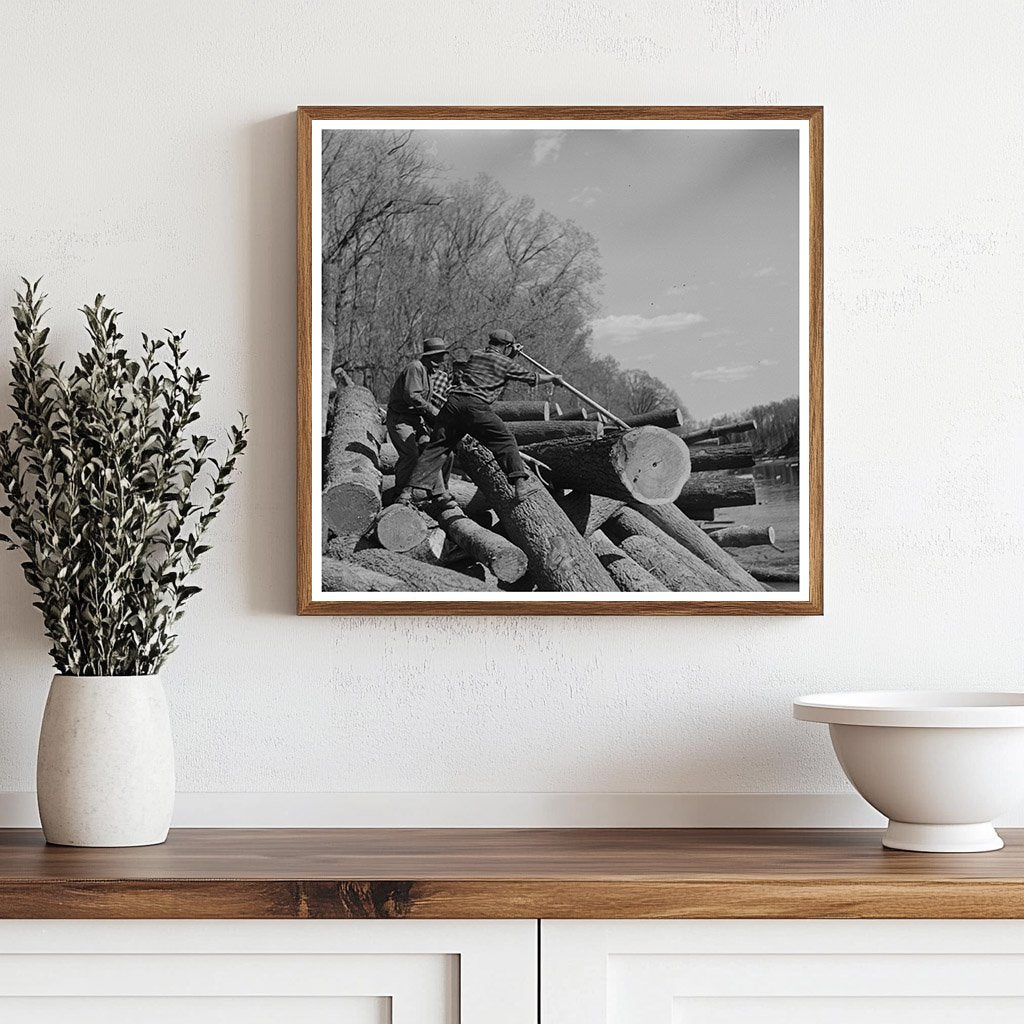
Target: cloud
{"points": [[725, 374], [766, 271], [612, 331], [587, 195], [547, 146]]}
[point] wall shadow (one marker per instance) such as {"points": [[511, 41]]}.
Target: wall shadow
{"points": [[270, 334]]}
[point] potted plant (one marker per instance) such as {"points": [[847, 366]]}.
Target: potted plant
{"points": [[109, 495]]}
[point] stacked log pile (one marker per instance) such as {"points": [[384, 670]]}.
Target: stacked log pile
{"points": [[613, 509], [352, 476]]}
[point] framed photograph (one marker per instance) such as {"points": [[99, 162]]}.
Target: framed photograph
{"points": [[560, 360]]}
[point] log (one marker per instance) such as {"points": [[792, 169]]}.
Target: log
{"points": [[463, 491], [526, 410], [667, 418], [678, 568], [776, 573], [629, 576], [677, 525], [400, 528], [744, 536], [468, 497], [432, 548], [352, 480], [645, 464], [716, 490], [706, 433], [705, 458], [532, 431], [415, 576], [587, 512], [387, 459], [559, 558], [500, 556], [346, 576]]}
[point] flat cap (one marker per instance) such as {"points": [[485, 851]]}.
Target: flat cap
{"points": [[502, 338]]}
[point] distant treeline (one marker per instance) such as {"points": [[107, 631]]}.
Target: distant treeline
{"points": [[408, 255], [778, 427]]}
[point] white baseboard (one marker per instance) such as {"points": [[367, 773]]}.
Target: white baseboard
{"points": [[503, 810], [495, 810]]}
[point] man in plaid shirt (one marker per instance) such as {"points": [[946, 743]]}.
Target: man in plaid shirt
{"points": [[468, 411], [416, 397]]}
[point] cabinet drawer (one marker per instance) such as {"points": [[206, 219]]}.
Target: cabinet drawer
{"points": [[796, 972], [299, 972]]}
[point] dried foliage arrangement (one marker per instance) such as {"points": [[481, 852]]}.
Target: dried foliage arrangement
{"points": [[108, 494]]}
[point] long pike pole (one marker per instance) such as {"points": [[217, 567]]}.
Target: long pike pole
{"points": [[579, 394]]}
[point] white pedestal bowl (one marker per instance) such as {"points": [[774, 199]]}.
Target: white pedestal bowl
{"points": [[940, 766]]}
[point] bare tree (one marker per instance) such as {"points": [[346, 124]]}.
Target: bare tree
{"points": [[645, 393], [370, 180], [405, 258]]}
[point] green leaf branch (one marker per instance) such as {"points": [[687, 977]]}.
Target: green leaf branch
{"points": [[108, 493]]}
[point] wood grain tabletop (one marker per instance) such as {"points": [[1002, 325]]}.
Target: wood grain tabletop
{"points": [[508, 873]]}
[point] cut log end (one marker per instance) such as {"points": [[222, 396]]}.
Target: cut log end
{"points": [[652, 468], [400, 528], [349, 506]]}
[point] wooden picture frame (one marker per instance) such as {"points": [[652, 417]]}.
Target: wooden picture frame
{"points": [[808, 120]]}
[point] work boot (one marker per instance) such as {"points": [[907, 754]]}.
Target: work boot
{"points": [[442, 502], [416, 497], [524, 487]]}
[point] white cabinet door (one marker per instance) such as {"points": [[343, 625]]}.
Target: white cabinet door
{"points": [[782, 972], [258, 972]]}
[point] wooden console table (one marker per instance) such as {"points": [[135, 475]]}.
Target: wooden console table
{"points": [[494, 926], [506, 874]]}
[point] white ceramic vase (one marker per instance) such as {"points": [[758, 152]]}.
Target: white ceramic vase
{"points": [[105, 771]]}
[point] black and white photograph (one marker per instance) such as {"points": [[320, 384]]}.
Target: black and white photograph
{"points": [[554, 359]]}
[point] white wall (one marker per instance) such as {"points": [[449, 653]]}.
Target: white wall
{"points": [[148, 152]]}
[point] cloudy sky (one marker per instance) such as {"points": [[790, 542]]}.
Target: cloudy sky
{"points": [[698, 237]]}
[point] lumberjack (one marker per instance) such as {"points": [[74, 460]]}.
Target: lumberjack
{"points": [[415, 400], [468, 411]]}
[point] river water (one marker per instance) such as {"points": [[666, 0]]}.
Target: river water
{"points": [[778, 504]]}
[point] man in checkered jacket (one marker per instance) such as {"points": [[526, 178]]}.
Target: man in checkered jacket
{"points": [[416, 397], [468, 410]]}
